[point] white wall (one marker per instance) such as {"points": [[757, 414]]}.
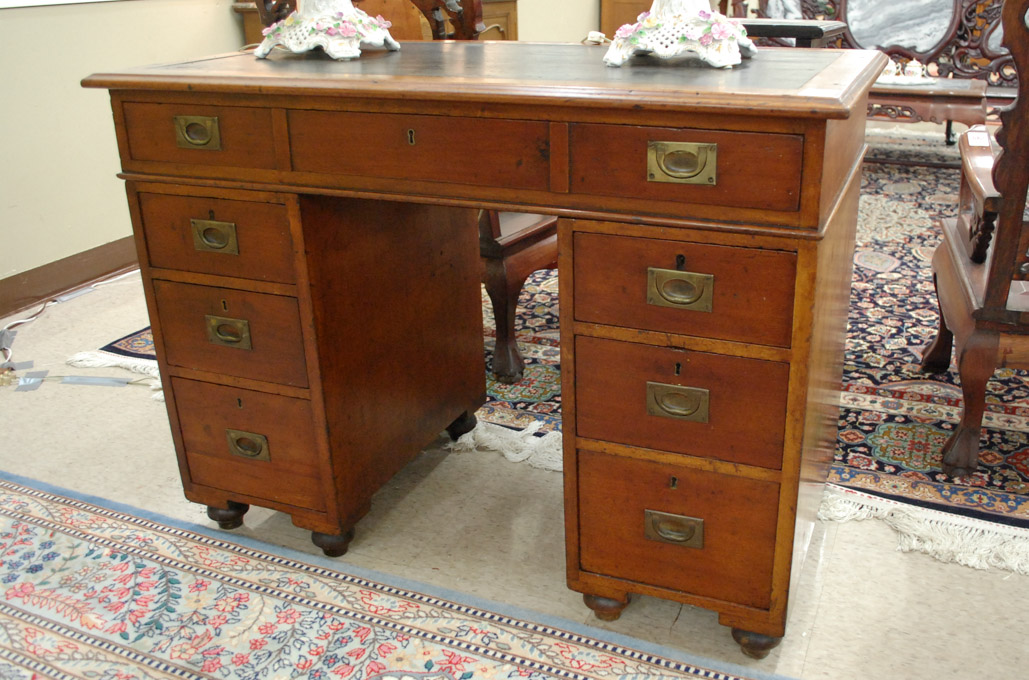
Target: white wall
{"points": [[58, 190]]}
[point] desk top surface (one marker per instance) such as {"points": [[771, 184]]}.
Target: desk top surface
{"points": [[801, 82]]}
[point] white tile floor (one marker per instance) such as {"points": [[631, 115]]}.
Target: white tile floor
{"points": [[478, 524]]}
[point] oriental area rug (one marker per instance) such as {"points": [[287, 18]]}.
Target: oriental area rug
{"points": [[894, 418], [92, 590]]}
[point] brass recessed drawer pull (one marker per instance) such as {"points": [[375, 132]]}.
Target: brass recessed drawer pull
{"points": [[228, 332], [674, 529], [248, 444], [197, 132], [211, 236], [683, 290], [682, 162], [677, 402]]}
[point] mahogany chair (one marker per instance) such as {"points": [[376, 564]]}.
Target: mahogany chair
{"points": [[512, 245], [981, 269]]}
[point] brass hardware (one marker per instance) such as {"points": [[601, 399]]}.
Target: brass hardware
{"points": [[410, 137], [682, 162], [228, 332], [248, 444], [212, 236], [675, 529], [198, 132], [682, 290], [680, 403]]}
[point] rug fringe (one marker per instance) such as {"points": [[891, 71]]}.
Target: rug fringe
{"points": [[106, 360], [946, 537], [517, 445]]}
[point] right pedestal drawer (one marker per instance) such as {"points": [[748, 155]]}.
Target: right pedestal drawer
{"points": [[704, 290], [697, 403], [677, 527]]}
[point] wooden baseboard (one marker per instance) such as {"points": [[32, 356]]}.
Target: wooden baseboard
{"points": [[35, 286]]}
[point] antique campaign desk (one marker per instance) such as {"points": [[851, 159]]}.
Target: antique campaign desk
{"points": [[306, 232]]}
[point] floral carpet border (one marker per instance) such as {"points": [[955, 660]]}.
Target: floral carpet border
{"points": [[329, 609]]}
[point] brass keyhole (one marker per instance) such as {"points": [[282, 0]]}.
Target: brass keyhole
{"points": [[410, 137]]}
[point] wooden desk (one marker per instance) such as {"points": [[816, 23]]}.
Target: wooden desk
{"points": [[310, 264]]}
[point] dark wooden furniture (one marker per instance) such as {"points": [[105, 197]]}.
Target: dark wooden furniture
{"points": [[945, 101], [447, 20], [981, 269], [703, 301]]}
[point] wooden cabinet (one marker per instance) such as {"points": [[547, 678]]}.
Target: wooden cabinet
{"points": [[309, 251], [501, 19]]}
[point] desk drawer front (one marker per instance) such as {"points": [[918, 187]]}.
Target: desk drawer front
{"points": [[253, 443], [233, 332], [697, 403], [214, 236], [751, 170], [227, 136], [478, 151], [742, 294], [732, 519]]}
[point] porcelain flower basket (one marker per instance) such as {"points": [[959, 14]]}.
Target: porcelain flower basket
{"points": [[676, 28], [336, 26]]}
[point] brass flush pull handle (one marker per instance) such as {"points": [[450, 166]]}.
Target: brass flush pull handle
{"points": [[680, 403], [674, 529], [683, 290], [212, 236], [228, 332], [682, 162], [248, 444], [197, 132]]}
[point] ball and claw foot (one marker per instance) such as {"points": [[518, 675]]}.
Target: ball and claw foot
{"points": [[755, 645], [331, 545], [961, 452], [464, 423], [230, 517], [604, 608]]}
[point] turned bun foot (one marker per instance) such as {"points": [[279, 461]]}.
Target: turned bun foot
{"points": [[604, 608], [332, 545], [230, 517], [754, 645], [464, 423]]}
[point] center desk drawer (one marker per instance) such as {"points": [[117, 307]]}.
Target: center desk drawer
{"points": [[689, 530], [232, 332], [711, 291], [697, 403], [224, 136], [711, 167], [256, 444], [244, 239], [485, 152]]}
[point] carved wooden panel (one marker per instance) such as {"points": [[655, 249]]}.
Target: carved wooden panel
{"points": [[958, 38]]}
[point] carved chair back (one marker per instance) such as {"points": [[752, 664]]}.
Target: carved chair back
{"points": [[448, 19]]}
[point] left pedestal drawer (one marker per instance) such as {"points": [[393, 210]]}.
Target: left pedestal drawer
{"points": [[232, 332], [249, 442]]}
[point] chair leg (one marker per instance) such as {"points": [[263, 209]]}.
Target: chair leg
{"points": [[977, 360], [508, 365], [936, 357]]}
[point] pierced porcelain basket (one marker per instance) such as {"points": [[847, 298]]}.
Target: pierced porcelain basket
{"points": [[676, 28], [336, 26]]}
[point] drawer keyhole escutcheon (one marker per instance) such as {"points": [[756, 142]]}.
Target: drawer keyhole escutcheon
{"points": [[679, 289], [679, 403], [197, 132], [682, 162], [248, 444], [212, 236], [228, 332], [410, 137], [675, 529]]}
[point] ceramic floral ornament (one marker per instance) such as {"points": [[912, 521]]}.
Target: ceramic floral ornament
{"points": [[336, 26], [675, 28]]}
